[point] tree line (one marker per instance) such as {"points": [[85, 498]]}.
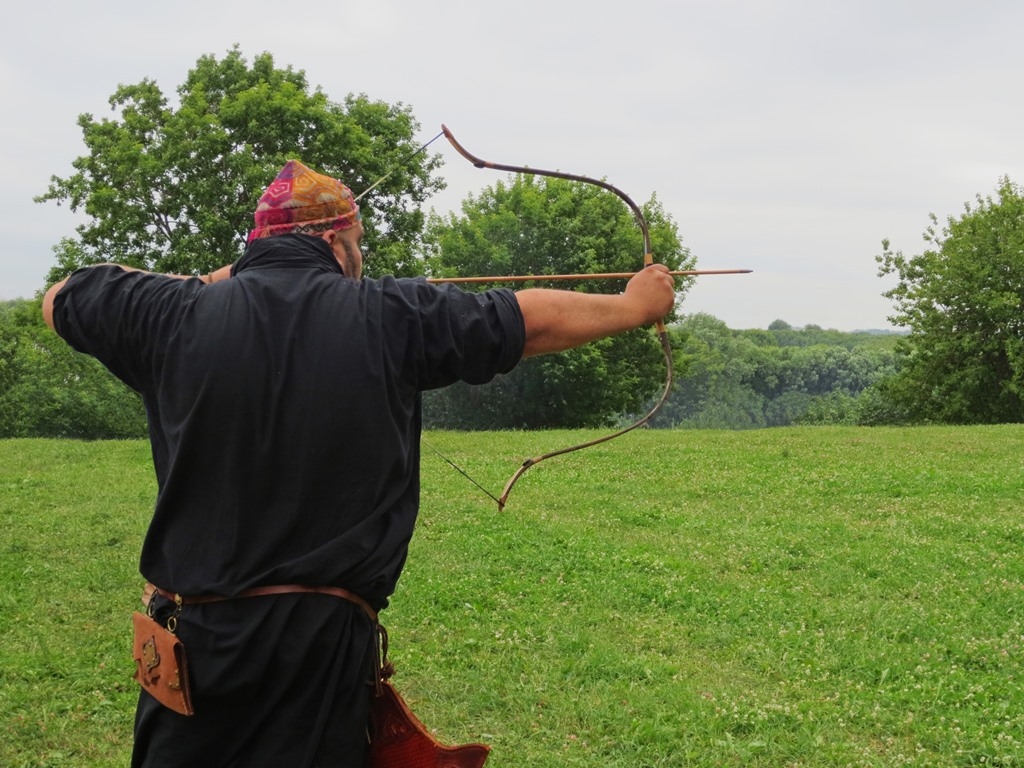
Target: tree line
{"points": [[747, 379], [172, 189], [725, 379]]}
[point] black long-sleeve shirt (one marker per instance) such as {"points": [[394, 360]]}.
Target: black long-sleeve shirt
{"points": [[284, 418]]}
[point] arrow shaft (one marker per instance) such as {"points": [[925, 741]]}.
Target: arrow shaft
{"points": [[582, 276]]}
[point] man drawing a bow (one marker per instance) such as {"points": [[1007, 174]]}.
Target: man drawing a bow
{"points": [[283, 398]]}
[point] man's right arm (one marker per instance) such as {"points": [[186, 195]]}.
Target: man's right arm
{"points": [[48, 302], [221, 274]]}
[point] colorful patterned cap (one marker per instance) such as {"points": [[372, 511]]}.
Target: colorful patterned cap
{"points": [[303, 201]]}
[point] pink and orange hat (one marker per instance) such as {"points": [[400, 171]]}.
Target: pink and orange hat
{"points": [[303, 201]]}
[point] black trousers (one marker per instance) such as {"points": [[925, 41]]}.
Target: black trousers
{"points": [[277, 682]]}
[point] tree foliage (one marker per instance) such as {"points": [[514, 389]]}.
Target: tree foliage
{"points": [[174, 189], [728, 380], [539, 225], [49, 390], [752, 378], [962, 299]]}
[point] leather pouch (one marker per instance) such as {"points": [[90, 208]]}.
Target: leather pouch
{"points": [[399, 740], [160, 664]]}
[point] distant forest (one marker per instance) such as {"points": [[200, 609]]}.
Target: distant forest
{"points": [[747, 379], [725, 379]]}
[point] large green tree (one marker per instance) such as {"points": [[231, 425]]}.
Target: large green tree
{"points": [[173, 188], [538, 225], [963, 300]]}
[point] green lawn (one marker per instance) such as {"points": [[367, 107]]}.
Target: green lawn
{"points": [[787, 597]]}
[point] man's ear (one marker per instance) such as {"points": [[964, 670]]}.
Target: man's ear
{"points": [[329, 237]]}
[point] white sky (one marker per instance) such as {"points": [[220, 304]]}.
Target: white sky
{"points": [[786, 137]]}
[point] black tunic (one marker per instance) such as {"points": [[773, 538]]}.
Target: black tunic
{"points": [[284, 417]]}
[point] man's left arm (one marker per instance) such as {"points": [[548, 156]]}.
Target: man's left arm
{"points": [[559, 320]]}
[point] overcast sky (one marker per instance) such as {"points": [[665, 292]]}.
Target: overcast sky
{"points": [[786, 137]]}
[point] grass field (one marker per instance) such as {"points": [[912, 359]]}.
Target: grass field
{"points": [[788, 597]]}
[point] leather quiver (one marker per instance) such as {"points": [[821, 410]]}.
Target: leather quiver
{"points": [[399, 740]]}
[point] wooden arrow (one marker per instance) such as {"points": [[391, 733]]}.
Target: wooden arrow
{"points": [[582, 276]]}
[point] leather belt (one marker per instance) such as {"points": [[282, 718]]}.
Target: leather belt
{"points": [[277, 589]]}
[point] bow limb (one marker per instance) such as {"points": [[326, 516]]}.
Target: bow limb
{"points": [[648, 259], [637, 213]]}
